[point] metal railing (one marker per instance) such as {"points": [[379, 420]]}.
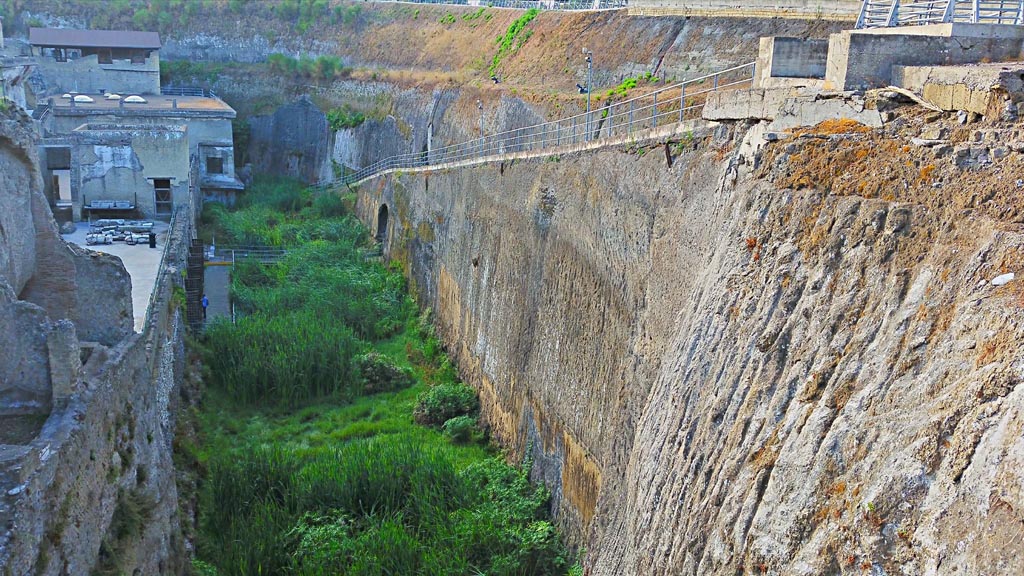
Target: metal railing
{"points": [[186, 91], [663, 107], [890, 13], [231, 254]]}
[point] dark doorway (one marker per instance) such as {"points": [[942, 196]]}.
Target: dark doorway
{"points": [[163, 197], [382, 223]]}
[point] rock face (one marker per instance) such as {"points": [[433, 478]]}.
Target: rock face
{"points": [[784, 358], [86, 476], [294, 141]]}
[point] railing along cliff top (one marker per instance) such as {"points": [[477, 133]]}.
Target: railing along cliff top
{"points": [[663, 107]]}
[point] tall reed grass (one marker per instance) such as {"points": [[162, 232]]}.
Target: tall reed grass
{"points": [[314, 328], [375, 506]]}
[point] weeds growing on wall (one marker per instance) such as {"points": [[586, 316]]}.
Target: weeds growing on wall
{"points": [[313, 461]]}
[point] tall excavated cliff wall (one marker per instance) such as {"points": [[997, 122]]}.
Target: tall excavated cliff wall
{"points": [[86, 406], [783, 359]]}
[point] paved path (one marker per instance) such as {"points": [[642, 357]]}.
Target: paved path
{"points": [[217, 281]]}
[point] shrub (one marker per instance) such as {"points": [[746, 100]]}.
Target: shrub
{"points": [[379, 374], [444, 402], [459, 429], [345, 117], [329, 205]]}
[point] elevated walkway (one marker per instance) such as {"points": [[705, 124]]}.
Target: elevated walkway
{"points": [[663, 112]]}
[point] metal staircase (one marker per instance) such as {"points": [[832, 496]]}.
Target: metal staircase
{"points": [[890, 13]]}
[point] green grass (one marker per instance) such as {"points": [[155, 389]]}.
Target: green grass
{"points": [[305, 470]]}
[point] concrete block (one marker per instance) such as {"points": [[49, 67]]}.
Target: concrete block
{"points": [[811, 110], [992, 90], [745, 104], [786, 59]]}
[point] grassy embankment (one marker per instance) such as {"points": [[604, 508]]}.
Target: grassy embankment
{"points": [[335, 435]]}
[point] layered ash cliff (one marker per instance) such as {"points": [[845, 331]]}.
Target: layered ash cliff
{"points": [[780, 357]]}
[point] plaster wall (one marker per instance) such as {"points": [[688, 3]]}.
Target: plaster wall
{"points": [[121, 164], [88, 76]]}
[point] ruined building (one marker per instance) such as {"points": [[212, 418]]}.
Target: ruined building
{"points": [[114, 141]]}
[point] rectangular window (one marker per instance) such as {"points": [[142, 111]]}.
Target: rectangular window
{"points": [[214, 165], [58, 55], [162, 192], [58, 158], [138, 56], [105, 56]]}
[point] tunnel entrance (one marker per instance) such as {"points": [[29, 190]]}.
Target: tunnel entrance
{"points": [[382, 223]]}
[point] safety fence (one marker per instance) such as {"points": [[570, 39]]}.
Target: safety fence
{"points": [[228, 255], [663, 107], [890, 13]]}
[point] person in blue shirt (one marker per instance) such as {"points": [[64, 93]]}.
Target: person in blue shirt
{"points": [[206, 302]]}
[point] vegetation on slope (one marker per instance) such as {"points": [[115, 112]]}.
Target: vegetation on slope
{"points": [[514, 38], [337, 437]]}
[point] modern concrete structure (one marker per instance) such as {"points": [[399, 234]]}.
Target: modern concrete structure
{"points": [[96, 61], [861, 59]]}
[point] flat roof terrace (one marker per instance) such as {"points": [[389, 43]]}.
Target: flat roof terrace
{"points": [[155, 105]]}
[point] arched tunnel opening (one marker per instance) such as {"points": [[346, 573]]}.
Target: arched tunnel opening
{"points": [[382, 223]]}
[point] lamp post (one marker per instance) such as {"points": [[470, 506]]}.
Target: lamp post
{"points": [[480, 107], [590, 75]]}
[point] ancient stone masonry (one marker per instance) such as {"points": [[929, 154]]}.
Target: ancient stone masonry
{"points": [[777, 356], [85, 404]]}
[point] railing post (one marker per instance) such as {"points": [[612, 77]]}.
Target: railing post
{"points": [[682, 100], [573, 129], [654, 112], [629, 127], [894, 14], [862, 14], [716, 82]]}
